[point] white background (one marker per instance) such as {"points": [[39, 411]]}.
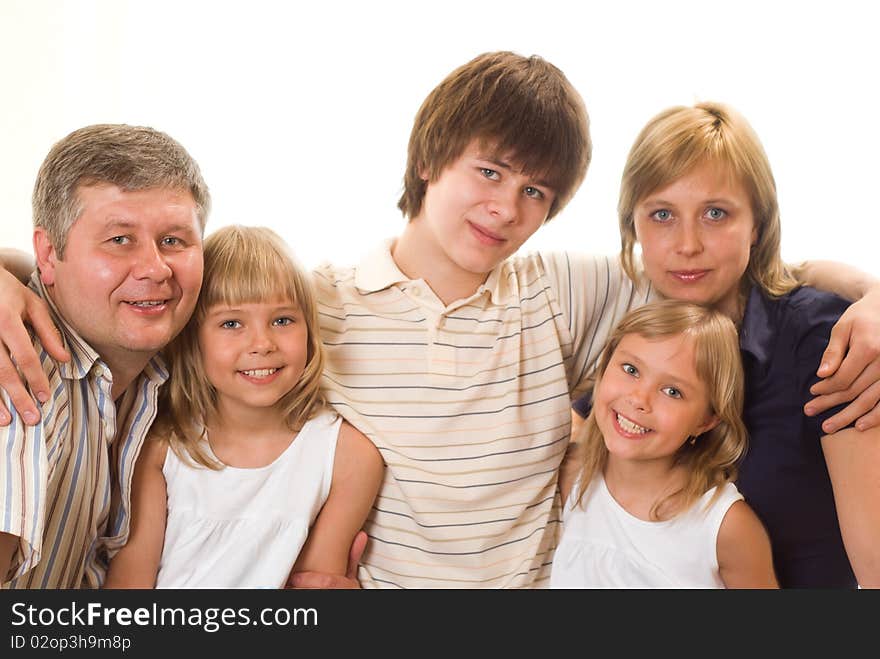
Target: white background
{"points": [[299, 113]]}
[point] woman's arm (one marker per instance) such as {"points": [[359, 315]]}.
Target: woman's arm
{"points": [[357, 475], [743, 547], [853, 460], [137, 563]]}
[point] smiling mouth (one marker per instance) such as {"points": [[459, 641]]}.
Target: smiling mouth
{"points": [[630, 427], [146, 304], [484, 235], [688, 275], [260, 372]]}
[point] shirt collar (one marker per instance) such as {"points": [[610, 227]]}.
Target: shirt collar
{"points": [[82, 356], [378, 271], [756, 334]]}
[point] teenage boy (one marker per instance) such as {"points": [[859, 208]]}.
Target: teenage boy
{"points": [[457, 361]]}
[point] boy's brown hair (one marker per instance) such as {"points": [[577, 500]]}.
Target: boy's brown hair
{"points": [[522, 106]]}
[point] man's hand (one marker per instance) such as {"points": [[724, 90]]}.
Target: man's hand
{"points": [[20, 305], [318, 580], [851, 368]]}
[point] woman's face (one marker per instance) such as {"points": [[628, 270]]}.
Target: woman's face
{"points": [[696, 235]]}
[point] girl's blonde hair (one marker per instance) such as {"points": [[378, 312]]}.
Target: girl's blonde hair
{"points": [[712, 458], [681, 138], [242, 265]]}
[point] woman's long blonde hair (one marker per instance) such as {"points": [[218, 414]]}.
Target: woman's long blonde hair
{"points": [[712, 459], [242, 265]]}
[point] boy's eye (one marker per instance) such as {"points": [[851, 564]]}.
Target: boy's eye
{"points": [[672, 392], [230, 324], [716, 213], [662, 215], [533, 193], [629, 369], [489, 173]]}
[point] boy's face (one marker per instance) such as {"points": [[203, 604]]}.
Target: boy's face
{"points": [[481, 209]]}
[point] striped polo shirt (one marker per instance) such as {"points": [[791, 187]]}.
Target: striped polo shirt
{"points": [[470, 406], [65, 483]]}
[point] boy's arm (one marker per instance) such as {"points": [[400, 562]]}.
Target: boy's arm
{"points": [[19, 264], [137, 563], [357, 475], [850, 365], [18, 304], [853, 460], [743, 548]]}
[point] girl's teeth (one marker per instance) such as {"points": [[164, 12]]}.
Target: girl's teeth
{"points": [[631, 427], [260, 372]]}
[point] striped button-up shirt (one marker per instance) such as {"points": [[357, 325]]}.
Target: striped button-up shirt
{"points": [[469, 405], [65, 483]]}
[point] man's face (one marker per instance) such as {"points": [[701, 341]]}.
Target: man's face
{"points": [[131, 271], [481, 209]]}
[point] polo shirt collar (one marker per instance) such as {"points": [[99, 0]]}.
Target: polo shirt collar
{"points": [[757, 333], [82, 356], [378, 271]]}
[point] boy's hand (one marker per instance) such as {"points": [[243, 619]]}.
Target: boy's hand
{"points": [[318, 580], [20, 305]]}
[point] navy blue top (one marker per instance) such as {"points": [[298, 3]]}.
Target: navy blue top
{"points": [[783, 475]]}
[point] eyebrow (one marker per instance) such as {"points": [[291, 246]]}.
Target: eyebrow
{"points": [[664, 202], [287, 308], [129, 224]]}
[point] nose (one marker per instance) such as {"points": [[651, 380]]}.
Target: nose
{"points": [[150, 263], [503, 203], [639, 398], [262, 342], [688, 239]]}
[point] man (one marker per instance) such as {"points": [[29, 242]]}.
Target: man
{"points": [[119, 213], [456, 358]]}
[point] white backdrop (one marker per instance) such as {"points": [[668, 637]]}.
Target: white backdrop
{"points": [[299, 114]]}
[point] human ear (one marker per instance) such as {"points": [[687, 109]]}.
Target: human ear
{"points": [[46, 256], [711, 422]]}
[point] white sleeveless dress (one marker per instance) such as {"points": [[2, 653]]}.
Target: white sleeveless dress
{"points": [[244, 528], [604, 546]]}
